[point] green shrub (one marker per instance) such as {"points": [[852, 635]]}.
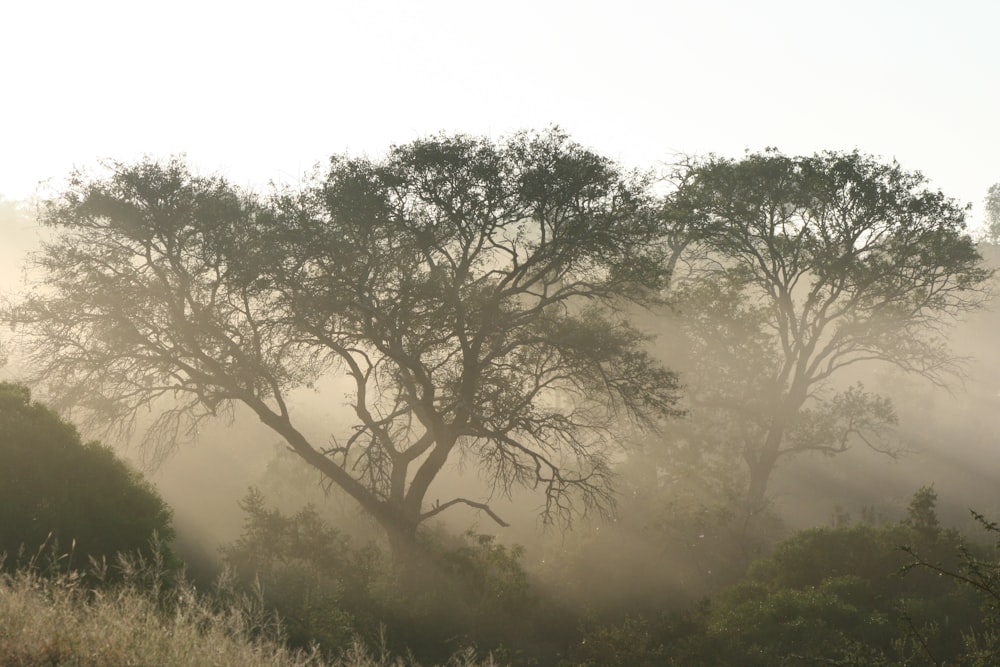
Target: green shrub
{"points": [[310, 574], [464, 591], [840, 593], [828, 596], [56, 490]]}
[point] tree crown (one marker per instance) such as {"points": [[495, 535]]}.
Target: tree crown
{"points": [[468, 290]]}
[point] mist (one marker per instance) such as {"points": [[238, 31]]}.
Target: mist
{"points": [[676, 537]]}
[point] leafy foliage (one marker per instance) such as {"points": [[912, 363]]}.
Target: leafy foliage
{"points": [[309, 572], [56, 489], [839, 595], [978, 572], [827, 591], [800, 268], [473, 592], [465, 289], [992, 206]]}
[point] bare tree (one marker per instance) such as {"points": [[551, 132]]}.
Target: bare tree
{"points": [[468, 290]]}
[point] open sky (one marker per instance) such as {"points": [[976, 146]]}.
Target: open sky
{"points": [[263, 91]]}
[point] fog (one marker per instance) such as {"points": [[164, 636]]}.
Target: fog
{"points": [[670, 539], [950, 436]]}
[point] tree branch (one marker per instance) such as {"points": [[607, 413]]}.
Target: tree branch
{"points": [[439, 507]]}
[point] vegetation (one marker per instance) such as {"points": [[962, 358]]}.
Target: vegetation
{"points": [[475, 304], [328, 592], [844, 595], [56, 490], [462, 287], [992, 207], [58, 620], [978, 570], [801, 269]]}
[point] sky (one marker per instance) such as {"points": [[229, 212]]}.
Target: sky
{"points": [[263, 91]]}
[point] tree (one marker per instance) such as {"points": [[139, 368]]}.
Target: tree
{"points": [[804, 267], [467, 290], [992, 207], [56, 489]]}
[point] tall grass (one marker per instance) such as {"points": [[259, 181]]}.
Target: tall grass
{"points": [[60, 618]]}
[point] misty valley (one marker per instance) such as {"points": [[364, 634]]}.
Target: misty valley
{"points": [[501, 402]]}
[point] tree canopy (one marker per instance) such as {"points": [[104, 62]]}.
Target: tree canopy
{"points": [[467, 289], [801, 267], [992, 207]]}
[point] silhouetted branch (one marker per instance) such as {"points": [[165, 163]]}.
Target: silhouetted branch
{"points": [[440, 507]]}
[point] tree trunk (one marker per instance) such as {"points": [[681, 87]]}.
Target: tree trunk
{"points": [[760, 473], [410, 558], [761, 464], [403, 545]]}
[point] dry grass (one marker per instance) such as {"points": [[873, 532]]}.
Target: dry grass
{"points": [[58, 620]]}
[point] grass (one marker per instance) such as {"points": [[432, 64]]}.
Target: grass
{"points": [[60, 618]]}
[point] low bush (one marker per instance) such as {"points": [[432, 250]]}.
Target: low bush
{"points": [[466, 590], [56, 490]]}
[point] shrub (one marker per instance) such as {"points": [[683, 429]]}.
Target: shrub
{"points": [[57, 491], [466, 591], [309, 573], [839, 593]]}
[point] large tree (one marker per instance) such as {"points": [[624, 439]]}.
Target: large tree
{"points": [[468, 290], [802, 267]]}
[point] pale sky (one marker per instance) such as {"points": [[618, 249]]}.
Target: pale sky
{"points": [[262, 91]]}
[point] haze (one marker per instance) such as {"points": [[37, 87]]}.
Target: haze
{"points": [[264, 91]]}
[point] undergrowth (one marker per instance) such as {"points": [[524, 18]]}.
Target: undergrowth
{"points": [[51, 616]]}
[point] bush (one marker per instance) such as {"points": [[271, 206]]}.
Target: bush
{"points": [[840, 592], [466, 591], [309, 573], [826, 596], [978, 573], [57, 492]]}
